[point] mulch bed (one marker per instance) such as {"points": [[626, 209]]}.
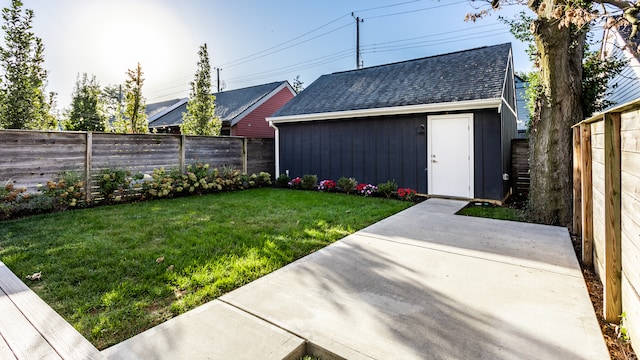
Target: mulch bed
{"points": [[618, 349]]}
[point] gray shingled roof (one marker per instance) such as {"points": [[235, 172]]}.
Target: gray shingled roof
{"points": [[229, 104], [466, 75]]}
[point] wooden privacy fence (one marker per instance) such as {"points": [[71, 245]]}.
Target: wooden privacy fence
{"points": [[520, 177], [29, 158], [606, 152]]}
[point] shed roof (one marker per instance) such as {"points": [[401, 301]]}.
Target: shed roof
{"points": [[469, 75], [229, 105]]}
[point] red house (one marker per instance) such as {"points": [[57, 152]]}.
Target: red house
{"points": [[242, 111]]}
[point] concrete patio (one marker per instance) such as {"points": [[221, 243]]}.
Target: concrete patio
{"points": [[422, 284]]}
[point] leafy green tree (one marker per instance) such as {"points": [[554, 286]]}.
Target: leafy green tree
{"points": [[200, 117], [297, 85], [87, 109], [23, 99], [134, 119], [559, 32], [112, 98]]}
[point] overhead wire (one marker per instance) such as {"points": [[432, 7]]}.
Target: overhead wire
{"points": [[319, 61]]}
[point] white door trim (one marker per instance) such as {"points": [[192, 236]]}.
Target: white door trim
{"points": [[469, 139]]}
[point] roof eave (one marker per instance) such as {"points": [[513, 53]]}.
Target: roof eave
{"points": [[395, 110]]}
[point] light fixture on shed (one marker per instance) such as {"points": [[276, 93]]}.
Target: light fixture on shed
{"points": [[421, 129]]}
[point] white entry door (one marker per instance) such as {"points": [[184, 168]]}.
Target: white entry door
{"points": [[450, 155]]}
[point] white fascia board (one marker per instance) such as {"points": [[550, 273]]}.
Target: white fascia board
{"points": [[396, 110]]}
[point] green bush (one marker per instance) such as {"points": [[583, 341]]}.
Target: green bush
{"points": [[68, 190], [263, 179], [387, 188], [114, 184], [347, 185], [309, 182], [283, 181]]}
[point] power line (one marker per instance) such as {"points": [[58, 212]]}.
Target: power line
{"points": [[417, 10], [284, 43]]}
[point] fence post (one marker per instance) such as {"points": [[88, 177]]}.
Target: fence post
{"points": [[245, 157], [577, 183], [613, 253], [182, 150], [587, 195], [88, 165]]}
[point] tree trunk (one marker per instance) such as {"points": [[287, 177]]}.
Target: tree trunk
{"points": [[558, 108]]}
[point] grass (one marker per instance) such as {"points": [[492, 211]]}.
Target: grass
{"points": [[115, 271], [486, 210]]}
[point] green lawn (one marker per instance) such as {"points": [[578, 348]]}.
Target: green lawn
{"points": [[494, 212], [102, 268]]}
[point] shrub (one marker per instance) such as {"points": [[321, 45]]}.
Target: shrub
{"points": [[160, 185], [309, 182], [295, 183], [366, 189], [113, 184], [387, 188], [347, 185], [327, 185], [406, 194], [263, 179], [66, 190], [283, 180]]}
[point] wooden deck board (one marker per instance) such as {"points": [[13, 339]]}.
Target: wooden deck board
{"points": [[25, 340], [5, 351], [64, 341]]}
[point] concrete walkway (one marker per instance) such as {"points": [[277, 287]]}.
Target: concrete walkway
{"points": [[422, 284]]}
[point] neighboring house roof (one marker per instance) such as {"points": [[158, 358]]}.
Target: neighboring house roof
{"points": [[465, 76], [155, 108], [231, 106]]}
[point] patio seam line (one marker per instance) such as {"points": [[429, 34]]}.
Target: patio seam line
{"points": [[467, 255], [261, 318], [307, 342]]}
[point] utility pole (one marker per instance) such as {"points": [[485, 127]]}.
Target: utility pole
{"points": [[218, 71], [358, 21]]}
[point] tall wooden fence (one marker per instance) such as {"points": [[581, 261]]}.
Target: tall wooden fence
{"points": [[29, 158], [520, 177], [607, 207]]}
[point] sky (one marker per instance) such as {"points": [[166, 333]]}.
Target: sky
{"points": [[253, 42]]}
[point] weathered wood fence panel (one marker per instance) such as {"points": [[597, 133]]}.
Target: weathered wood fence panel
{"points": [[136, 153], [29, 158], [613, 208], [225, 151], [33, 157], [520, 176], [261, 156]]}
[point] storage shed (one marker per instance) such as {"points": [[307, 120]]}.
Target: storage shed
{"points": [[442, 125]]}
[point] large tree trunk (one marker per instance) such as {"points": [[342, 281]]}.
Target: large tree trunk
{"points": [[558, 108]]}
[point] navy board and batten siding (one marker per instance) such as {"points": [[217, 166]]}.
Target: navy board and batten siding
{"points": [[375, 150], [372, 150]]}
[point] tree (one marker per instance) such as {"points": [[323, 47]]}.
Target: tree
{"points": [[23, 99], [112, 98], [297, 85], [559, 32], [87, 111], [134, 119], [200, 117]]}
